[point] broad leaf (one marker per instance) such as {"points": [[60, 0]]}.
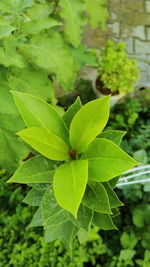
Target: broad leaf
{"points": [[107, 160], [82, 235], [37, 113], [5, 28], [35, 170], [49, 145], [84, 217], [72, 110], [40, 10], [52, 214], [34, 197], [96, 197], [113, 198], [67, 233], [103, 221], [113, 135], [72, 13], [88, 122], [98, 12], [37, 218], [51, 232], [69, 183]]}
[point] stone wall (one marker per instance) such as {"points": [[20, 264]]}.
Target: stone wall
{"points": [[129, 22]]}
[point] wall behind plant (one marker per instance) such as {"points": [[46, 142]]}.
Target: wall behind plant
{"points": [[129, 22]]}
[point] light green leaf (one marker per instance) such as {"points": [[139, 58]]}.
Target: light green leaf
{"points": [[72, 110], [36, 26], [98, 12], [15, 6], [32, 81], [82, 235], [49, 145], [103, 221], [96, 198], [113, 135], [69, 183], [84, 217], [40, 10], [113, 198], [52, 213], [34, 197], [107, 160], [36, 170], [88, 122], [5, 28], [49, 52], [72, 13], [37, 113]]}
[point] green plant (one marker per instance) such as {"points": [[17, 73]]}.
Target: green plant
{"points": [[117, 71], [72, 167], [40, 51]]}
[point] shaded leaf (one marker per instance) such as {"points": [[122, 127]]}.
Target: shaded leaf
{"points": [[113, 198], [34, 197], [103, 221], [113, 135], [72, 110]]}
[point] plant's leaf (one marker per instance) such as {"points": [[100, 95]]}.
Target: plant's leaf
{"points": [[49, 52], [72, 178], [113, 198], [36, 26], [96, 197], [51, 233], [15, 6], [32, 81], [34, 197], [72, 110], [72, 13], [5, 28], [84, 217], [115, 212], [37, 113], [52, 213], [37, 218], [67, 233], [82, 235], [49, 145], [36, 170], [113, 135], [98, 12], [88, 122], [103, 221], [40, 10], [107, 160]]}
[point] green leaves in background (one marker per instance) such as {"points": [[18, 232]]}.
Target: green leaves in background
{"points": [[46, 143], [37, 113], [103, 153], [36, 170], [88, 122], [69, 183]]}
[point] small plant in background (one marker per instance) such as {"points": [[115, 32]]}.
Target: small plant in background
{"points": [[72, 166], [117, 73]]}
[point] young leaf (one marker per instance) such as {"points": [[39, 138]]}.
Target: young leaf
{"points": [[37, 113], [72, 13], [84, 217], [34, 197], [113, 135], [69, 183], [96, 198], [49, 145], [72, 110], [113, 198], [107, 160], [88, 122], [35, 170], [103, 221]]}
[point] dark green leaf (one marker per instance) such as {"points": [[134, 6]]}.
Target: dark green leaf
{"points": [[103, 221], [113, 198]]}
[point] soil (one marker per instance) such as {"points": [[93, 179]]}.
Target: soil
{"points": [[101, 88]]}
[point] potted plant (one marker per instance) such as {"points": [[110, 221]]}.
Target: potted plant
{"points": [[117, 73]]}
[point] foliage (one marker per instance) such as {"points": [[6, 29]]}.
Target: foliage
{"points": [[117, 71], [40, 53], [75, 155]]}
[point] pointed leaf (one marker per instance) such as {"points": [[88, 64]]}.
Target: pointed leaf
{"points": [[88, 122], [67, 233], [84, 217], [72, 13], [113, 198], [51, 233], [35, 170], [46, 143], [72, 110], [107, 160], [69, 183], [37, 218], [34, 197], [96, 197], [37, 113], [113, 135], [82, 235], [103, 221]]}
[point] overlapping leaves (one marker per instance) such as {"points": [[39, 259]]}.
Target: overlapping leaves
{"points": [[76, 192]]}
